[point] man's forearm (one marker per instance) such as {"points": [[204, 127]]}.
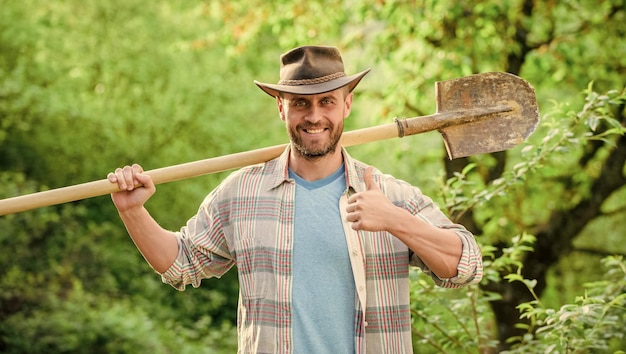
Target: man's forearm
{"points": [[439, 249], [157, 245]]}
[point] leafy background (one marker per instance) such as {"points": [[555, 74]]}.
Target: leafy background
{"points": [[87, 86]]}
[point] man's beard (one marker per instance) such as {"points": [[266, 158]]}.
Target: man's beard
{"points": [[311, 153]]}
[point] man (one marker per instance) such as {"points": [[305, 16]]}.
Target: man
{"points": [[322, 242]]}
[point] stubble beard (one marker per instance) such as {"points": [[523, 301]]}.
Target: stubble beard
{"points": [[313, 153]]}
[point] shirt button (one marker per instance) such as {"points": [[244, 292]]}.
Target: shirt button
{"points": [[355, 253]]}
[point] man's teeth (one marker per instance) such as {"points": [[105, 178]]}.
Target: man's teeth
{"points": [[314, 131]]}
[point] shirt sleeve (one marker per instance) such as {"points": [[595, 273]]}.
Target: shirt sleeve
{"points": [[469, 268], [202, 249]]}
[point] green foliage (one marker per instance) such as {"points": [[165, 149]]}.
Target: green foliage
{"points": [[562, 137], [449, 321], [458, 321], [88, 86], [82, 323], [567, 134], [84, 86], [593, 323]]}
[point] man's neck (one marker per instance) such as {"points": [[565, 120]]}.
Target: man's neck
{"points": [[315, 169]]}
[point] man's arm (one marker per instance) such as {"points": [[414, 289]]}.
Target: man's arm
{"points": [[157, 245], [440, 249]]}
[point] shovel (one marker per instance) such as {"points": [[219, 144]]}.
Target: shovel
{"points": [[476, 114]]}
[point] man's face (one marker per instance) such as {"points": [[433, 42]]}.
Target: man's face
{"points": [[315, 122]]}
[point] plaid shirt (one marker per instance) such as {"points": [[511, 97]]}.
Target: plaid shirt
{"points": [[248, 221]]}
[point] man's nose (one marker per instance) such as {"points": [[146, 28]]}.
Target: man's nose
{"points": [[314, 115]]}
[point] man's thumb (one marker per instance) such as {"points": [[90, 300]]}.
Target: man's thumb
{"points": [[369, 179], [145, 180]]}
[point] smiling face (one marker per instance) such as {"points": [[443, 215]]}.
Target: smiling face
{"points": [[315, 122]]}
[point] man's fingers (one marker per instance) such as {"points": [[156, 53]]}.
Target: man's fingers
{"points": [[112, 177], [118, 176], [137, 168], [126, 177]]}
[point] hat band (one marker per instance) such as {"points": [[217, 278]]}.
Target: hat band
{"points": [[317, 80]]}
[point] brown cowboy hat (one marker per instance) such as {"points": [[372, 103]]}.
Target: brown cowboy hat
{"points": [[310, 70]]}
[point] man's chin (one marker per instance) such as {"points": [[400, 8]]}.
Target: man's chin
{"points": [[314, 154]]}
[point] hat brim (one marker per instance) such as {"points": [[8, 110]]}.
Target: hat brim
{"points": [[275, 89]]}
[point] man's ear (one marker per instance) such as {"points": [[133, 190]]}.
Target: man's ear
{"points": [[348, 105], [281, 111]]}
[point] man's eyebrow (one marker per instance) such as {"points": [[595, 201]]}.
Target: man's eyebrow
{"points": [[306, 98], [330, 96]]}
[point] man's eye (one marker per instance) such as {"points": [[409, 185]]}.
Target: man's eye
{"points": [[300, 103]]}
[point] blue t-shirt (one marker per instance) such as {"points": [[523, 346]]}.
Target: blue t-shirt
{"points": [[323, 284]]}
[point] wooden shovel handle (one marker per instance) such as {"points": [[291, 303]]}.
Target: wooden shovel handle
{"points": [[177, 172], [399, 128]]}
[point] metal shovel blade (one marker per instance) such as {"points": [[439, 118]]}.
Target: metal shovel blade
{"points": [[497, 131]]}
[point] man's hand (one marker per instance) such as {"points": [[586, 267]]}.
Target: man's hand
{"points": [[439, 248], [371, 210], [135, 187]]}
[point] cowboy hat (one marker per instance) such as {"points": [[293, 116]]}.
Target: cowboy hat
{"points": [[310, 70]]}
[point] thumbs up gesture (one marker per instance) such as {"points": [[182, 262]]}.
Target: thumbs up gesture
{"points": [[370, 210]]}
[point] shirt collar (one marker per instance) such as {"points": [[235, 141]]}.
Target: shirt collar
{"points": [[280, 171]]}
